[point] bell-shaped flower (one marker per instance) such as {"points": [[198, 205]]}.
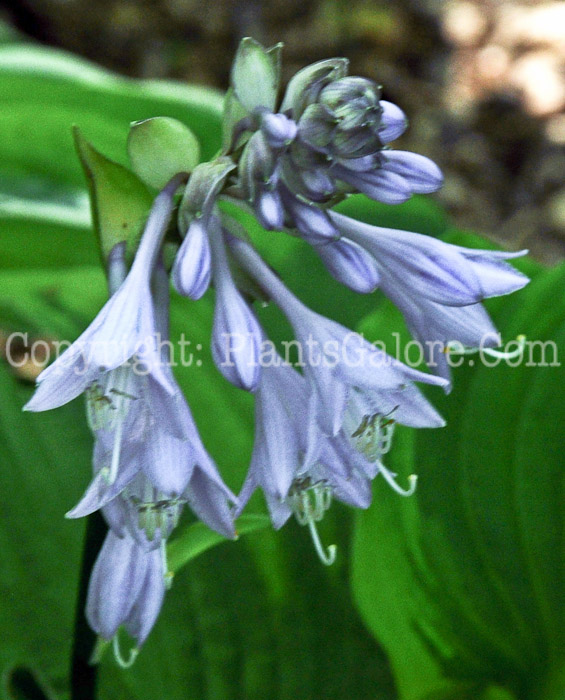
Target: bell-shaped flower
{"points": [[298, 467], [432, 269], [236, 334], [437, 285], [339, 360], [157, 475], [124, 329], [127, 587]]}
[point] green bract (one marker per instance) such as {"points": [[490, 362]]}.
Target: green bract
{"points": [[256, 75], [161, 147], [120, 201]]}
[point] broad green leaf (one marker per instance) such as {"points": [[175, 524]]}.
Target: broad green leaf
{"points": [[120, 201], [43, 93], [197, 538], [161, 147], [462, 582]]}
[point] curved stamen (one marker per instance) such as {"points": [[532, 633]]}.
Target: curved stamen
{"points": [[113, 473], [510, 354], [460, 349], [389, 477], [326, 557], [124, 663]]}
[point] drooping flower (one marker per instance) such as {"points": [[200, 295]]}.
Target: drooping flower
{"points": [[298, 467], [340, 360], [436, 285], [123, 331], [127, 587], [236, 334]]}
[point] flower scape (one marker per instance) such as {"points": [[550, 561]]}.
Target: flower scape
{"points": [[321, 433]]}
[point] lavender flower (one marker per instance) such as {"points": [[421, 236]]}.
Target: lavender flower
{"points": [[340, 360], [123, 331], [191, 271], [236, 335], [436, 285], [327, 140], [127, 587], [299, 468], [350, 264]]}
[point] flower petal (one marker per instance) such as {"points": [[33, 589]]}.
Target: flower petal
{"points": [[192, 267], [115, 583]]}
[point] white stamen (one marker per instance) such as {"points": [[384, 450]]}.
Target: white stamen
{"points": [[111, 477], [511, 354], [389, 477], [328, 557], [460, 349], [124, 663], [167, 575]]}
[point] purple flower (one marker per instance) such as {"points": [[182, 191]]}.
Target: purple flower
{"points": [[127, 587], [393, 122], [158, 473], [124, 331], [298, 467], [339, 360], [192, 267], [394, 179], [350, 264], [436, 285], [236, 335]]}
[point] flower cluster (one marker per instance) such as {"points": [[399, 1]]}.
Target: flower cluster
{"points": [[321, 433]]}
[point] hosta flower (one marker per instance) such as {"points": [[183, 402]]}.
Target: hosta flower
{"points": [[127, 587], [327, 140], [339, 361], [299, 469], [350, 264], [436, 285], [259, 177], [191, 271], [159, 468], [123, 332], [236, 335]]}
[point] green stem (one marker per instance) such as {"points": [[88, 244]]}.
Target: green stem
{"points": [[84, 675]]}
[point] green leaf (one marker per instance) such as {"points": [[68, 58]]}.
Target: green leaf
{"points": [[462, 582], [120, 201], [255, 74], [43, 92], [161, 147], [197, 538]]}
